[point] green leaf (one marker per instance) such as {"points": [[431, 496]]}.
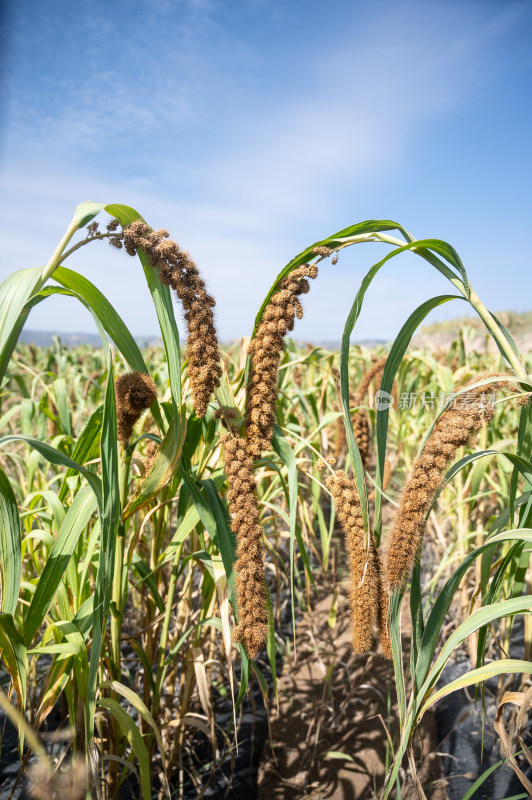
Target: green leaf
{"points": [[482, 778], [130, 730], [162, 301], [483, 616], [74, 524], [10, 551], [391, 367], [501, 667], [112, 322], [397, 652], [110, 522], [162, 468], [105, 316], [352, 446], [139, 706], [362, 229], [416, 614], [15, 291], [508, 338], [188, 523], [85, 212], [225, 536], [443, 602], [201, 505], [125, 214], [284, 451], [87, 447], [337, 754], [55, 456], [13, 652], [61, 400], [146, 576], [520, 464]]}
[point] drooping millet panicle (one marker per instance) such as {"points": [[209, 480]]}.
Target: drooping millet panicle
{"points": [[384, 604], [364, 594], [361, 427], [374, 373], [387, 474], [134, 392], [252, 627], [362, 432], [454, 429], [265, 351], [177, 270], [360, 420]]}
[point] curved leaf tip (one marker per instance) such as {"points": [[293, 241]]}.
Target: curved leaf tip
{"points": [[86, 211]]}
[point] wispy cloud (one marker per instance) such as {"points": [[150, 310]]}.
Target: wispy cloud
{"points": [[365, 101]]}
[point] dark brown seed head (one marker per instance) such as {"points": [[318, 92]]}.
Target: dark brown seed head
{"points": [[134, 392], [177, 270]]}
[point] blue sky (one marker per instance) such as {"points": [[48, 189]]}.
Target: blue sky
{"points": [[252, 128]]}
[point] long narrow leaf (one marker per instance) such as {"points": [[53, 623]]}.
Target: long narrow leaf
{"points": [[10, 548], [74, 524]]}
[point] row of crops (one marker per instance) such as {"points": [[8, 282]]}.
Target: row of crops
{"points": [[159, 507]]}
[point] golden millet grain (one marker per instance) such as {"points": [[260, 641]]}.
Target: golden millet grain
{"points": [[360, 419], [384, 604], [454, 429], [177, 270], [374, 373], [365, 595], [265, 353], [362, 434], [252, 627]]}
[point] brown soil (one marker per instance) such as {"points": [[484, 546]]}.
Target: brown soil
{"points": [[335, 715]]}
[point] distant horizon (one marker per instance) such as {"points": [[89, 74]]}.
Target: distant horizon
{"points": [[468, 315], [87, 337], [43, 337]]}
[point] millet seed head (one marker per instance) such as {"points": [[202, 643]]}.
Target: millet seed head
{"points": [[455, 428], [265, 352], [177, 270], [252, 627], [134, 392], [365, 586]]}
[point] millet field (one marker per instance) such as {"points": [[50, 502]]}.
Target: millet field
{"points": [[200, 535]]}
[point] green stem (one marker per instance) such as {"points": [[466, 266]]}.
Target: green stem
{"points": [[54, 261], [163, 641], [118, 574], [84, 242]]}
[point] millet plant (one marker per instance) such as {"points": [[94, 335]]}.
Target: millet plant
{"points": [[148, 509]]}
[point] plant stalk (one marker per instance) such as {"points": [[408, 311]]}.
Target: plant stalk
{"points": [[55, 260]]}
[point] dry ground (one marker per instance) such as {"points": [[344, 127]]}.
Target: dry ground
{"points": [[336, 713]]}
